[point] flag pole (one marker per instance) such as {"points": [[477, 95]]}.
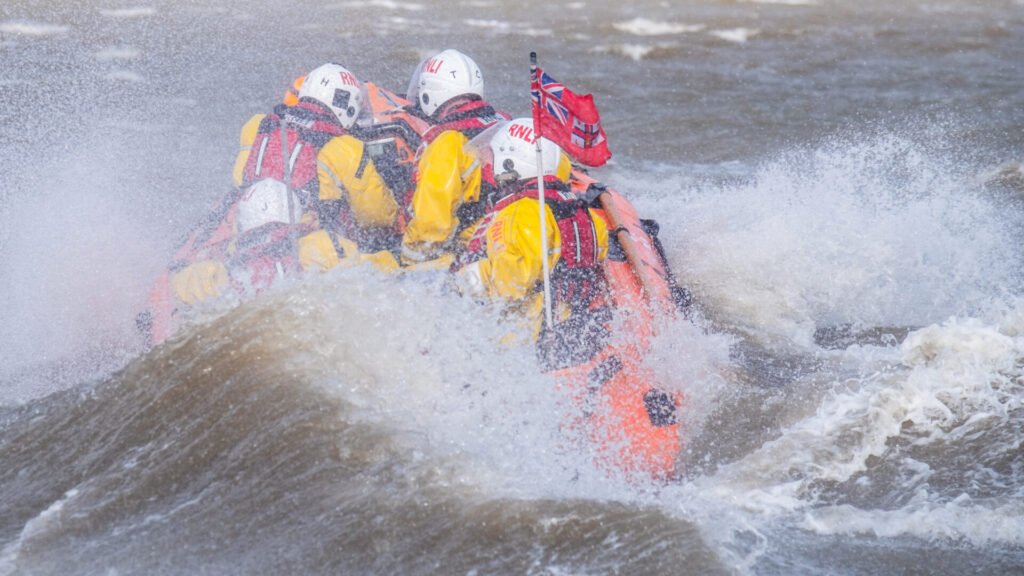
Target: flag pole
{"points": [[540, 197]]}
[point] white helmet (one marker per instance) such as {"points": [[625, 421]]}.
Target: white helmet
{"points": [[338, 89], [514, 150], [440, 78], [265, 202]]}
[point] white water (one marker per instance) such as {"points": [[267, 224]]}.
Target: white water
{"points": [[870, 229], [878, 231]]}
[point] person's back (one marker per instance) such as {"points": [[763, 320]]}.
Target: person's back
{"points": [[309, 147], [503, 259], [448, 90], [337, 206], [248, 132]]}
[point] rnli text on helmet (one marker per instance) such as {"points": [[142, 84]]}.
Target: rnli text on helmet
{"points": [[522, 132]]}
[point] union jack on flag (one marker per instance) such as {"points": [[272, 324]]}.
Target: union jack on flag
{"points": [[568, 119], [549, 94]]}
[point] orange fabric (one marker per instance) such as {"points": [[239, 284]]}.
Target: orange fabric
{"points": [[618, 423], [291, 96]]}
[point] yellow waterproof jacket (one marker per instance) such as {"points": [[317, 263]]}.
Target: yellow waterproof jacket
{"points": [[318, 251], [512, 269], [346, 172], [245, 140], [448, 177], [343, 172]]}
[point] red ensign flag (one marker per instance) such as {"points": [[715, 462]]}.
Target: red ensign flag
{"points": [[569, 120]]}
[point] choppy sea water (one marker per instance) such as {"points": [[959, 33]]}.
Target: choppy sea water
{"points": [[838, 183]]}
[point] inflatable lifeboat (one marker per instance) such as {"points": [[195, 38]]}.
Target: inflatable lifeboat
{"points": [[620, 414]]}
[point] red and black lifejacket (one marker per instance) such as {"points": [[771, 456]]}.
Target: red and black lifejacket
{"points": [[470, 118], [263, 256], [577, 278], [308, 127]]}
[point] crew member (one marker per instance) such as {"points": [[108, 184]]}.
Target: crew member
{"points": [[337, 206], [252, 125], [308, 147], [448, 90], [502, 260]]}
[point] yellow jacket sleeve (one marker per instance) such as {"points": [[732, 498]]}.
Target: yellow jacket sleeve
{"points": [[344, 172], [447, 177], [318, 252], [601, 235], [245, 140], [564, 171], [513, 267], [200, 281]]}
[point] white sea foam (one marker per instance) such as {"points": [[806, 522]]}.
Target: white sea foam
{"points": [[383, 4], [875, 233], [117, 53], [49, 516], [961, 381], [737, 35], [39, 29], [785, 2], [635, 52], [535, 32], [38, 525], [645, 27], [500, 25], [507, 27], [398, 23], [133, 12], [125, 76], [495, 391], [702, 377], [961, 519]]}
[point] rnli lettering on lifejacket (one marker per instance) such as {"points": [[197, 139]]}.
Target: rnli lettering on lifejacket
{"points": [[306, 122], [524, 133]]}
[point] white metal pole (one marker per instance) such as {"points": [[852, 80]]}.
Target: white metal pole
{"points": [[540, 194], [543, 235]]}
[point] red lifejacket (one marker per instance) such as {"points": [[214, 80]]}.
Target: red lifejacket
{"points": [[308, 126], [470, 118], [576, 277], [263, 256]]}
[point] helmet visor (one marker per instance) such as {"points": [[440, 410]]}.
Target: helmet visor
{"points": [[412, 94], [366, 112], [480, 145]]}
